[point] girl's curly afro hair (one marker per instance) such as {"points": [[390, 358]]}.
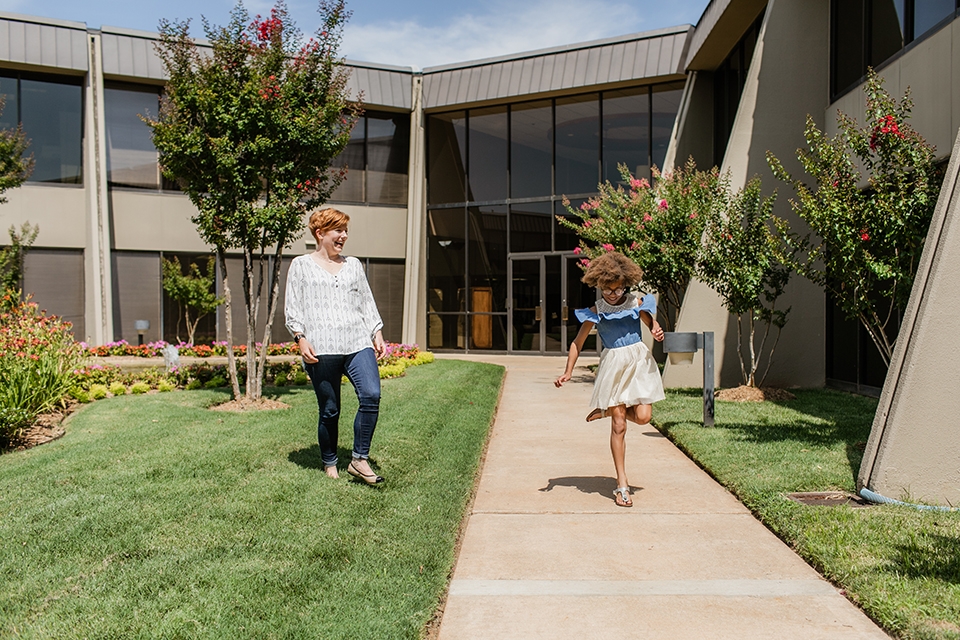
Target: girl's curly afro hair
{"points": [[612, 268]]}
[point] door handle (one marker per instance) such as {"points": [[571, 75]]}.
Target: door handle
{"points": [[537, 313], [565, 313]]}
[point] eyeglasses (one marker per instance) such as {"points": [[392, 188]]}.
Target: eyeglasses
{"points": [[613, 292]]}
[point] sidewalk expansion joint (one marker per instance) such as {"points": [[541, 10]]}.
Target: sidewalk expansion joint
{"points": [[607, 588]]}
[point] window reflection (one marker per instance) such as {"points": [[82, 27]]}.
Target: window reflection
{"points": [[446, 264], [487, 234], [447, 159], [531, 149], [131, 156], [666, 103], [351, 188], [929, 13], [530, 226], [578, 144], [51, 113], [488, 154], [626, 133], [388, 157], [886, 29], [9, 116], [564, 238]]}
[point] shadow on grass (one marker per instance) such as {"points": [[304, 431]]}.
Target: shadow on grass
{"points": [[816, 418], [931, 556], [310, 458], [600, 485]]}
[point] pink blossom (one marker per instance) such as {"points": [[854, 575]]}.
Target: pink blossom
{"points": [[663, 204], [864, 235], [693, 215], [639, 184], [647, 217], [586, 224], [608, 247], [577, 251], [634, 246], [585, 262]]}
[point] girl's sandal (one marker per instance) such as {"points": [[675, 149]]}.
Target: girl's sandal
{"points": [[622, 496], [596, 414]]}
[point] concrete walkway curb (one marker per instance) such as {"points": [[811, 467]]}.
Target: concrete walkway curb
{"points": [[546, 552]]}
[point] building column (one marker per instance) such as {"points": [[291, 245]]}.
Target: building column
{"points": [[98, 281], [415, 272]]}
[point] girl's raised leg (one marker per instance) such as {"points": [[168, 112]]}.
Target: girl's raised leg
{"points": [[640, 414]]}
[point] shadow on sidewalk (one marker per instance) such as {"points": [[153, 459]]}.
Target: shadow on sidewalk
{"points": [[600, 485]]}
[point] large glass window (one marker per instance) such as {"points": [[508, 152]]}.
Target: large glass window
{"points": [[578, 144], [51, 112], [377, 160], [497, 178], [626, 133], [131, 156], [531, 149], [447, 157], [487, 168], [870, 32], [728, 82]]}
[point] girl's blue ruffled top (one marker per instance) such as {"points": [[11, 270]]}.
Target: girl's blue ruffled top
{"points": [[619, 326]]}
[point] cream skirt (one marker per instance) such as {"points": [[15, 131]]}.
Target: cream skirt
{"points": [[627, 375]]}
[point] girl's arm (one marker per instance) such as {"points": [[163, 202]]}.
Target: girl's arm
{"points": [[575, 347], [655, 330]]}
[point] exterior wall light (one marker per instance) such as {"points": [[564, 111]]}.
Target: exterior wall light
{"points": [[141, 326]]}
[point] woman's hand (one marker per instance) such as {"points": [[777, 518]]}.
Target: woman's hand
{"points": [[657, 331], [306, 351], [563, 378], [379, 346]]}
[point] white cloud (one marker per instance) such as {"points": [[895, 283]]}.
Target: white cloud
{"points": [[507, 28]]}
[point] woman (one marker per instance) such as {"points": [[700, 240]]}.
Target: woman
{"points": [[334, 320]]}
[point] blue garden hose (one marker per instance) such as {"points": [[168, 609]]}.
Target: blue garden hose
{"points": [[866, 494]]}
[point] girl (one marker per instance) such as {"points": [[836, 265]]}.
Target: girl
{"points": [[628, 380]]}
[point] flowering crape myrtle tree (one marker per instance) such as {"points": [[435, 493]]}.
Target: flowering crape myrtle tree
{"points": [[659, 227], [248, 130], [740, 261], [15, 168], [868, 236]]}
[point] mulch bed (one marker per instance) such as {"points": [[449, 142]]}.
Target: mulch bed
{"points": [[744, 393], [47, 428], [244, 404]]}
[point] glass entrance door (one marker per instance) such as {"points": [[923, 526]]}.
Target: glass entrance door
{"points": [[544, 290]]}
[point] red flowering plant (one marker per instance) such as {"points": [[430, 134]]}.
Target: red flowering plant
{"points": [[868, 206], [740, 260], [657, 226], [38, 356]]}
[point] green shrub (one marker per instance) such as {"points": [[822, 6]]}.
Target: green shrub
{"points": [[424, 357], [300, 378], [118, 389], [280, 380], [193, 385], [392, 370], [139, 388], [215, 382], [165, 385], [38, 356], [98, 391], [80, 395]]}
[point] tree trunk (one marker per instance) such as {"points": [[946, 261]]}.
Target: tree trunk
{"points": [[251, 308], [231, 358], [271, 312]]}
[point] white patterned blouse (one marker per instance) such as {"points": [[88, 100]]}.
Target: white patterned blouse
{"points": [[337, 313]]}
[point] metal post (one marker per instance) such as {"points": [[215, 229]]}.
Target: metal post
{"points": [[708, 390]]}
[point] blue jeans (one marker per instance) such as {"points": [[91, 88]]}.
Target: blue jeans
{"points": [[326, 374]]}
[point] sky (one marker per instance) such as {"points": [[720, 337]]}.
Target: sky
{"points": [[420, 33]]}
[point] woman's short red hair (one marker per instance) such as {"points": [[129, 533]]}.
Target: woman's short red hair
{"points": [[326, 219]]}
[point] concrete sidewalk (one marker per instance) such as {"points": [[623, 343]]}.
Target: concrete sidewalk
{"points": [[548, 554]]}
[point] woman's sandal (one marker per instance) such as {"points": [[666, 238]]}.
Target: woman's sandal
{"points": [[596, 414], [622, 496], [370, 478]]}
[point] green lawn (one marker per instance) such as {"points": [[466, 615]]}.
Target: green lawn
{"points": [[157, 518], [900, 564]]}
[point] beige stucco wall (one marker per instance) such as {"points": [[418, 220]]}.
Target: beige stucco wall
{"points": [[57, 209], [913, 453], [150, 221], [787, 79]]}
